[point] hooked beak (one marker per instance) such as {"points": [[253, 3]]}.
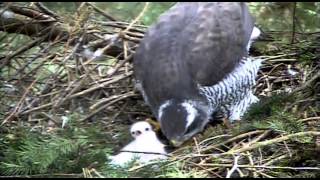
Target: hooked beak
{"points": [[176, 143]]}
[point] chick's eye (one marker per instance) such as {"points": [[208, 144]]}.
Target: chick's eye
{"points": [[132, 133], [147, 129]]}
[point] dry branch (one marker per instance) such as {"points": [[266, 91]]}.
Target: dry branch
{"points": [[34, 23], [101, 11], [46, 10]]}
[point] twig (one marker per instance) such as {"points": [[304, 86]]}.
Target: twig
{"points": [[108, 16], [120, 77], [293, 22], [102, 101], [122, 25], [31, 13], [264, 167], [286, 146], [142, 165], [197, 145], [261, 173], [273, 160], [283, 60], [269, 58], [309, 119], [119, 65], [215, 137], [306, 84], [234, 139], [263, 135], [18, 106], [234, 167], [143, 152], [102, 50], [43, 175], [204, 168], [272, 141], [37, 108], [97, 173], [102, 85], [106, 105], [251, 163], [20, 51], [46, 10], [137, 18]]}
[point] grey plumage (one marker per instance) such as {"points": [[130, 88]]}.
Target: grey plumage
{"points": [[192, 43], [184, 61]]}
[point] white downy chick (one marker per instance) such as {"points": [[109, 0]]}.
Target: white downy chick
{"points": [[145, 141]]}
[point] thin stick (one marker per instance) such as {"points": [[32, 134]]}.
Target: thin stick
{"points": [[309, 119], [306, 84], [251, 163], [272, 141], [46, 10], [273, 160], [265, 167], [106, 105], [137, 18], [234, 139], [234, 167], [293, 22], [197, 145], [18, 106], [108, 16], [143, 152]]}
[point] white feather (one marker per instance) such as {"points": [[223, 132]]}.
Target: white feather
{"points": [[162, 107], [254, 35], [192, 112]]}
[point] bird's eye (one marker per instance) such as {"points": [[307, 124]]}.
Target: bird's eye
{"points": [[147, 129], [132, 133], [188, 130]]}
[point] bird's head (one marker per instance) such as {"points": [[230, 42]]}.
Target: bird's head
{"points": [[140, 128], [180, 121]]}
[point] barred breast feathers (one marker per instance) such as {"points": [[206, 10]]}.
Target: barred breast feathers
{"points": [[235, 86]]}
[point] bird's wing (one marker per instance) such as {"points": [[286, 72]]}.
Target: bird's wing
{"points": [[217, 40], [192, 43]]}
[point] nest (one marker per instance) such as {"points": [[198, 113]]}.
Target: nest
{"points": [[85, 67]]}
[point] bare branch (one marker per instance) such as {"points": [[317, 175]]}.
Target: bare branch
{"points": [[108, 16], [46, 10]]}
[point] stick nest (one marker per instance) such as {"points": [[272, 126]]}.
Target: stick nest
{"points": [[84, 67]]}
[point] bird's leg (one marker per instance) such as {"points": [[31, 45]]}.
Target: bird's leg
{"points": [[155, 124]]}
